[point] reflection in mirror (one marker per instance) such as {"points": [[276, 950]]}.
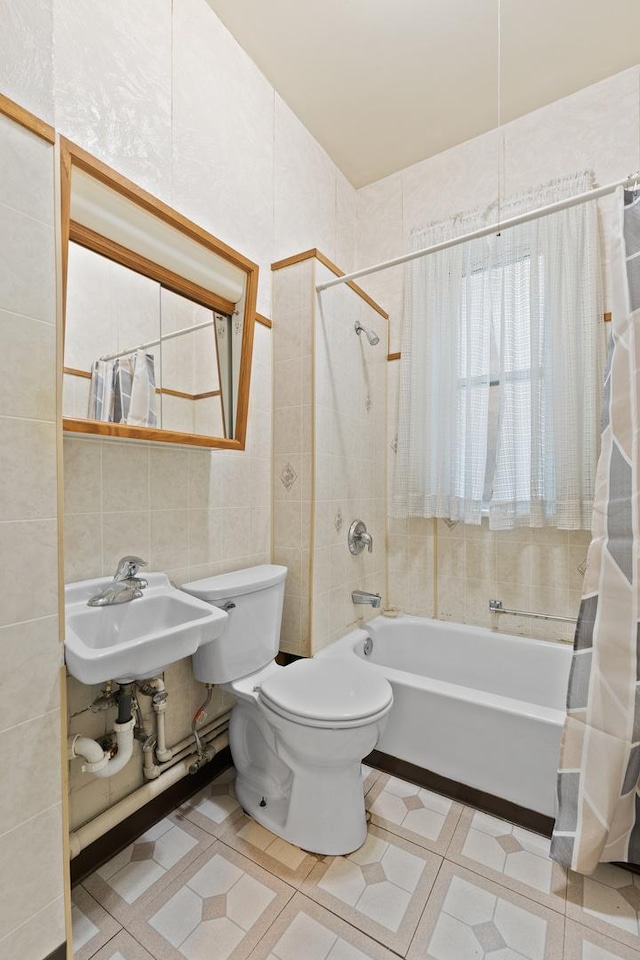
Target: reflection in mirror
{"points": [[159, 315], [137, 353]]}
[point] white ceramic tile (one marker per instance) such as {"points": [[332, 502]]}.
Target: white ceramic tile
{"points": [[35, 542], [28, 481], [469, 917], [34, 850], [381, 888], [113, 85], [222, 902], [125, 468], [510, 855], [230, 191], [305, 189], [247, 900], [179, 917], [30, 746], [216, 877], [581, 943], [27, 367], [27, 171], [32, 653], [39, 935], [27, 273], [307, 930], [134, 879], [83, 546], [26, 56]]}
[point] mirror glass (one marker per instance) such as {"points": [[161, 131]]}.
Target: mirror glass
{"points": [[140, 354]]}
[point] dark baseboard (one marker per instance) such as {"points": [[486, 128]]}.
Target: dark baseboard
{"points": [[284, 659], [496, 806], [126, 832], [60, 953]]}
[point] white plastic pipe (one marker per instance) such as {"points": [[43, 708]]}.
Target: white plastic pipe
{"points": [[185, 748], [99, 763], [163, 753], [81, 838]]}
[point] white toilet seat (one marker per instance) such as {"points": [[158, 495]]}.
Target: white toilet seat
{"points": [[326, 694], [324, 724]]}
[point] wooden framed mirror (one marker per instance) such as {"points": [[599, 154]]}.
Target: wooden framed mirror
{"points": [[158, 316]]}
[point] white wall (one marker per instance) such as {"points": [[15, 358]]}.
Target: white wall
{"points": [[163, 93], [31, 820], [596, 129]]}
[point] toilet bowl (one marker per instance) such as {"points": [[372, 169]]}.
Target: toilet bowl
{"points": [[297, 733]]}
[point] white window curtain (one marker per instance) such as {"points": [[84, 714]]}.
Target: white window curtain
{"points": [[501, 369]]}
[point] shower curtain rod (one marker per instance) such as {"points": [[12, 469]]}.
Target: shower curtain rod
{"points": [[485, 231], [154, 343]]}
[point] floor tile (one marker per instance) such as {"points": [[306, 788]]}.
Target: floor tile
{"points": [[471, 918], [381, 888], [136, 875], [283, 859], [218, 908], [517, 858], [409, 811], [91, 925], [581, 943], [214, 807], [123, 947], [306, 931], [607, 901]]}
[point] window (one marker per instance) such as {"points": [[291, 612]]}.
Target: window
{"points": [[501, 372]]}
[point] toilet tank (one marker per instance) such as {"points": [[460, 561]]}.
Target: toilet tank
{"points": [[253, 598]]}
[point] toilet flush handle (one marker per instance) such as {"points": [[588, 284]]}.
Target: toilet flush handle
{"points": [[229, 605]]}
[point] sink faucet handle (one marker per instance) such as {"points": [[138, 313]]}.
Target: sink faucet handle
{"points": [[128, 567]]}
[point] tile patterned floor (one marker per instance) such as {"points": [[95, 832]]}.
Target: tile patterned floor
{"points": [[433, 881]]}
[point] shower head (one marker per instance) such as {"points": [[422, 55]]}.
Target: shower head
{"points": [[371, 336]]}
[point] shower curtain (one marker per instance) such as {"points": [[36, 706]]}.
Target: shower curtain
{"points": [[124, 390], [599, 802]]}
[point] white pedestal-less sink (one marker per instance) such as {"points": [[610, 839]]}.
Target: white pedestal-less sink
{"points": [[137, 639]]}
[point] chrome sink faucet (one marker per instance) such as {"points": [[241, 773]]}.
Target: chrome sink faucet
{"points": [[127, 571], [125, 586], [363, 596], [119, 591]]}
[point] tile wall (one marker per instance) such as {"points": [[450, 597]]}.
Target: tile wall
{"points": [[350, 430], [329, 456], [454, 572], [167, 97], [191, 513], [31, 817], [293, 462]]}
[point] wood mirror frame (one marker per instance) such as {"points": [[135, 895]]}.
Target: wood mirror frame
{"points": [[72, 156]]}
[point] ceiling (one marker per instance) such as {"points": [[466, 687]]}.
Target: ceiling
{"points": [[382, 84]]}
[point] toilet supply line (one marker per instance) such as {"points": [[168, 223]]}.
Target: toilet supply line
{"points": [[186, 749]]}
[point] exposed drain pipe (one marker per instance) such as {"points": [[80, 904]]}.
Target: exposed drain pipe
{"points": [[103, 763], [81, 838]]}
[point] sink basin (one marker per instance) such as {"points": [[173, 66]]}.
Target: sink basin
{"points": [[137, 639]]}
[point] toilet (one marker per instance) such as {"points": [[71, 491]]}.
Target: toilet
{"points": [[297, 733]]}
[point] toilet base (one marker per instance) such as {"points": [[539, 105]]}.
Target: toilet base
{"points": [[331, 824], [309, 779]]}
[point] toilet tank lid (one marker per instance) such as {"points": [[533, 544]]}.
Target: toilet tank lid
{"points": [[236, 583]]}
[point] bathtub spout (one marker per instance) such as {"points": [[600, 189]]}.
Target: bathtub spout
{"points": [[362, 596]]}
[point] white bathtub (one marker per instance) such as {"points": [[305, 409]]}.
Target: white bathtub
{"points": [[485, 709]]}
